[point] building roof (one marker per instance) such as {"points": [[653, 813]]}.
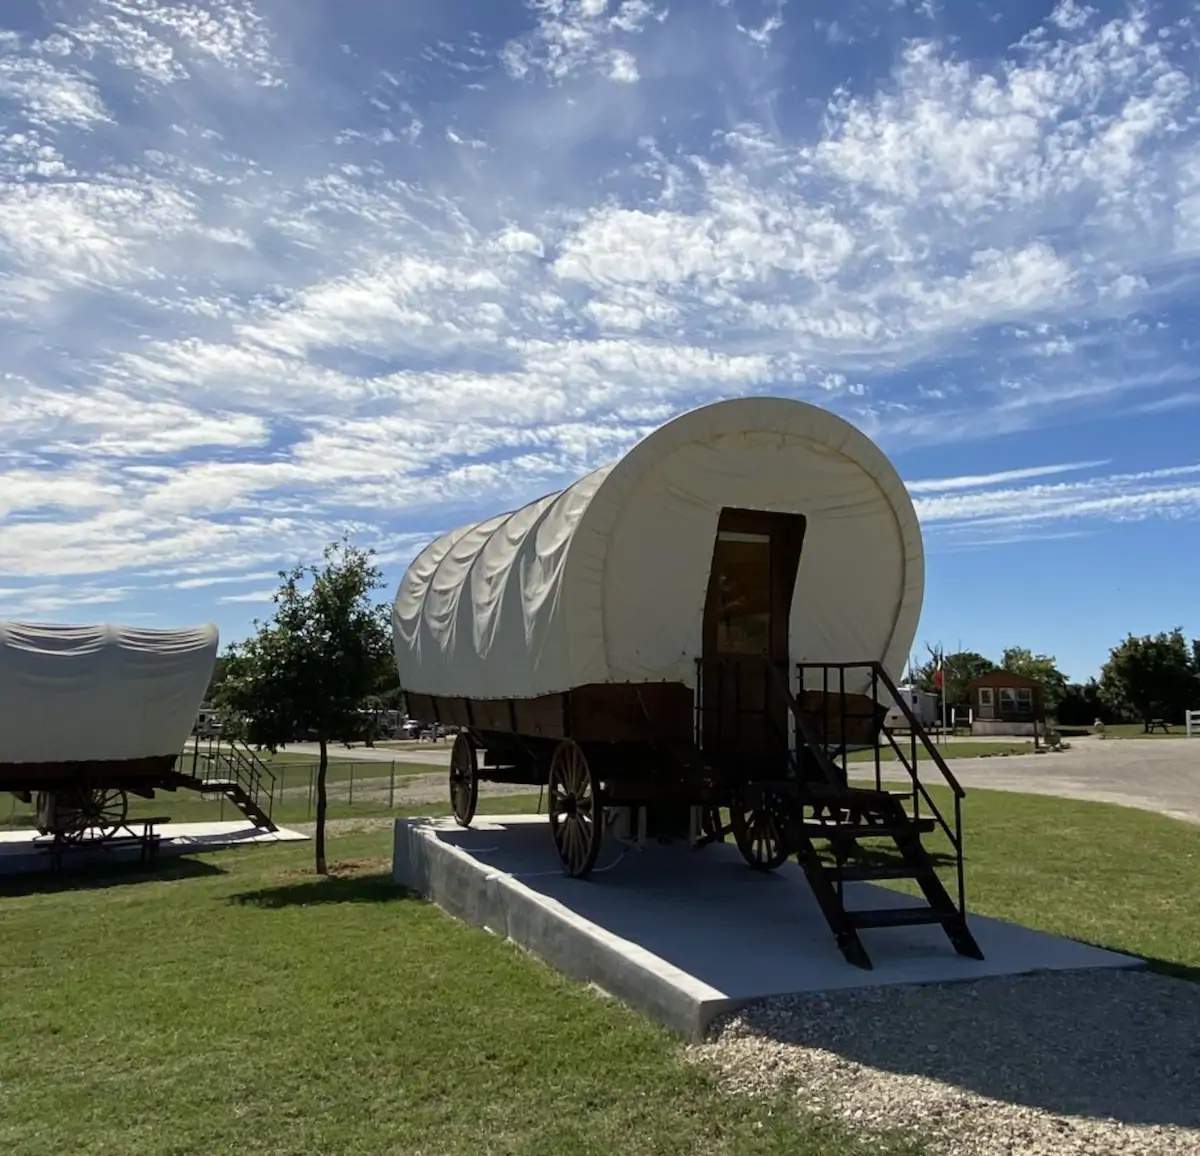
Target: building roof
{"points": [[998, 678]]}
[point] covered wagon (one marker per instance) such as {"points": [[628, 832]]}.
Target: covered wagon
{"points": [[690, 642], [90, 715]]}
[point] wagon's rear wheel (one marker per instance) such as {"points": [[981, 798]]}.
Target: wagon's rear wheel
{"points": [[464, 779], [576, 809], [101, 810], [760, 831]]}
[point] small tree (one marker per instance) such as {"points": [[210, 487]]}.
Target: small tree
{"points": [[1042, 669], [308, 671], [1154, 676]]}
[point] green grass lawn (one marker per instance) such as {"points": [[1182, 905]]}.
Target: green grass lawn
{"points": [[291, 808], [1113, 876], [948, 750], [1132, 731], [234, 1002]]}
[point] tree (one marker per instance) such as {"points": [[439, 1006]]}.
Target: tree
{"points": [[1152, 676], [958, 669], [218, 677], [1041, 669], [308, 671], [1081, 705]]}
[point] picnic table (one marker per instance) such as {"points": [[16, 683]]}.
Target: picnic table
{"points": [[139, 831], [1160, 724]]}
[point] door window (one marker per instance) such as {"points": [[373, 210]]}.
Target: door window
{"points": [[742, 563]]}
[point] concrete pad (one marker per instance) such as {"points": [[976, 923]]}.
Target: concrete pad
{"points": [[686, 935], [24, 851]]}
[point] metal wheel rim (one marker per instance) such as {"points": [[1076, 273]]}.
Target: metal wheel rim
{"points": [[576, 810], [759, 835], [464, 780]]}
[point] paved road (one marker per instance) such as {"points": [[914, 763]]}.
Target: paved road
{"points": [[1153, 774]]}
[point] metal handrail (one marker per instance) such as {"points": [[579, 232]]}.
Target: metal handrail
{"points": [[920, 791], [236, 760]]}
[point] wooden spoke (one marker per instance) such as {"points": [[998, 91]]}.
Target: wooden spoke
{"points": [[98, 810], [464, 779], [575, 809], [759, 831]]}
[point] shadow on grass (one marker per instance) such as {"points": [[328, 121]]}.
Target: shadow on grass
{"points": [[334, 888], [1164, 966], [94, 876]]}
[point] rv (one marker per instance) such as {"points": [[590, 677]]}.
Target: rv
{"points": [[922, 703]]}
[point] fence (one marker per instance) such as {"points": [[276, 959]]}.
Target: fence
{"points": [[1191, 723], [349, 783]]}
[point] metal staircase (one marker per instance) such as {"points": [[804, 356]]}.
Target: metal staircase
{"points": [[843, 833], [229, 768]]}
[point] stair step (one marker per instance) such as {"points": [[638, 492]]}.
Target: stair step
{"points": [[862, 873], [895, 917], [867, 830]]}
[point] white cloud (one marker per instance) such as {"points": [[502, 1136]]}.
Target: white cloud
{"points": [[977, 481], [1117, 497], [515, 240], [222, 579], [579, 37], [622, 66], [48, 96], [158, 39], [1071, 15], [762, 34], [223, 352], [250, 596]]}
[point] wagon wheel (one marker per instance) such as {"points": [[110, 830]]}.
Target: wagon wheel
{"points": [[99, 809], [711, 827], [759, 831], [576, 809], [464, 779]]}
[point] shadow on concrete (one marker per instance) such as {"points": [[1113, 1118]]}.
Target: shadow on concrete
{"points": [[1104, 1044], [326, 889], [94, 876]]}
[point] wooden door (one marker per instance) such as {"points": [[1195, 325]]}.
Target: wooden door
{"points": [[746, 616]]}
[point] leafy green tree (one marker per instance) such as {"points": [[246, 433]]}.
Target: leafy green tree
{"points": [[326, 649], [958, 670], [1042, 669], [218, 677], [1081, 705], [1152, 676]]}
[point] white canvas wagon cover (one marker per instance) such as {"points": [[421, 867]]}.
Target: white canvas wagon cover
{"points": [[71, 693], [606, 581]]}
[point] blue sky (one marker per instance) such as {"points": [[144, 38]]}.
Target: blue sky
{"points": [[273, 271]]}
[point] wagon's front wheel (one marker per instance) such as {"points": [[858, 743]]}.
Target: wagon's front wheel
{"points": [[464, 779], [759, 829], [576, 809], [101, 810]]}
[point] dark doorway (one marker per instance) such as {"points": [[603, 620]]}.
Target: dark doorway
{"points": [[746, 613]]}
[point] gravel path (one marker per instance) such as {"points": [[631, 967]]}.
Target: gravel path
{"points": [[1160, 775], [1056, 1064]]}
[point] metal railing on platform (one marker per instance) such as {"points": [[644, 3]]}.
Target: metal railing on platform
{"points": [[869, 681]]}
